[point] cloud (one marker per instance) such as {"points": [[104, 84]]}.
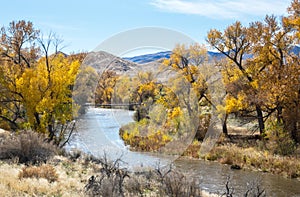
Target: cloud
{"points": [[231, 9]]}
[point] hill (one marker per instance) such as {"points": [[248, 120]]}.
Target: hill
{"points": [[105, 61]]}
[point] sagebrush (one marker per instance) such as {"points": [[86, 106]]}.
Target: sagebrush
{"points": [[27, 147]]}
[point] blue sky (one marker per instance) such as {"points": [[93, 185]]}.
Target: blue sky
{"points": [[85, 24]]}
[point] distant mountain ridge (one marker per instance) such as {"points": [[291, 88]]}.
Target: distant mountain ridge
{"points": [[147, 58], [142, 59]]}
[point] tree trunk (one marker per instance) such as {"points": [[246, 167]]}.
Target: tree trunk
{"points": [[260, 120], [38, 121], [225, 130], [295, 120], [295, 130], [51, 132], [138, 115]]}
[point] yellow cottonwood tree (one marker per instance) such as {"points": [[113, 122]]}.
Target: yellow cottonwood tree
{"points": [[36, 86], [145, 93], [105, 87], [18, 51], [261, 71], [234, 43], [188, 62], [190, 83], [292, 21], [47, 94]]}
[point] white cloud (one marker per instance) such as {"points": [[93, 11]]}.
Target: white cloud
{"points": [[222, 8]]}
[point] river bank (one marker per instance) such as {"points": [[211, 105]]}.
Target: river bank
{"points": [[248, 157]]}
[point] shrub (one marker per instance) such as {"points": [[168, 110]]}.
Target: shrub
{"points": [[174, 183], [28, 147], [253, 189], [139, 136], [45, 171], [280, 141], [138, 185], [110, 180]]}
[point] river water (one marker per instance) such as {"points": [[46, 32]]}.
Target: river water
{"points": [[98, 134]]}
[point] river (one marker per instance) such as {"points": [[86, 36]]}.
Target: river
{"points": [[98, 134]]}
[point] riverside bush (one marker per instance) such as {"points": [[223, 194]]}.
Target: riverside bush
{"points": [[133, 135], [280, 141]]}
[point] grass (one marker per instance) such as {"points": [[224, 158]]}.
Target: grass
{"points": [[65, 185], [254, 159], [44, 171], [71, 178]]}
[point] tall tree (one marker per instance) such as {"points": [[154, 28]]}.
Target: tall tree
{"points": [[235, 44], [196, 77], [262, 71]]}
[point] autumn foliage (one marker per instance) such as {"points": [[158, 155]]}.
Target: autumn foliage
{"points": [[260, 72], [36, 81]]}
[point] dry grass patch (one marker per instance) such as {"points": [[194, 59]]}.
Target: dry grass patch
{"points": [[254, 159], [37, 181], [45, 171]]}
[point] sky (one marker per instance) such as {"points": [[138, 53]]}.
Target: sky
{"points": [[83, 25]]}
